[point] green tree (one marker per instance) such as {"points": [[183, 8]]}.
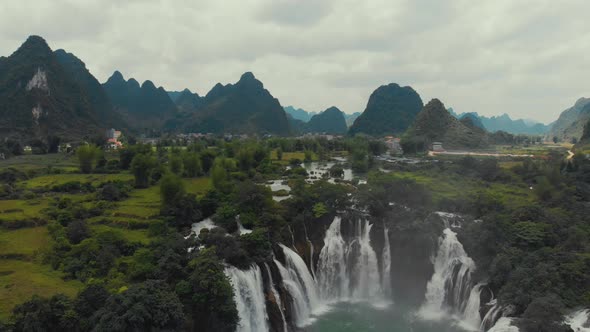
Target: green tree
{"points": [[210, 294], [87, 156], [171, 189], [175, 163], [141, 167], [42, 314], [192, 164], [280, 154], [148, 306]]}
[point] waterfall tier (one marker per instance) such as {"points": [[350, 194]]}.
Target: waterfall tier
{"points": [[300, 285], [249, 296], [449, 289], [349, 270], [277, 297]]}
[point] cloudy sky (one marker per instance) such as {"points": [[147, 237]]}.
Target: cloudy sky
{"points": [[528, 58]]}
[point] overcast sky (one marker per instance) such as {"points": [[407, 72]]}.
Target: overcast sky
{"points": [[528, 58]]}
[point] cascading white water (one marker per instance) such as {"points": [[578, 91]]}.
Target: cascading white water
{"points": [[249, 297], [504, 324], [349, 271], [579, 321], [277, 297], [366, 278], [333, 281], [490, 317], [301, 286], [451, 280], [292, 238], [471, 318], [310, 244], [386, 264]]}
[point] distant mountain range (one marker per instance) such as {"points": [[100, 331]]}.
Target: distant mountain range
{"points": [[303, 115], [505, 123], [390, 111], [45, 93], [331, 121]]}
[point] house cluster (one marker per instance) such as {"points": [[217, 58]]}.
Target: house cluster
{"points": [[113, 139], [393, 145]]}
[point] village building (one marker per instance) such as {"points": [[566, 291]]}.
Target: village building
{"points": [[113, 139], [437, 147]]}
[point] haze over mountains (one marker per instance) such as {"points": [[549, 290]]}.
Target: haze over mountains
{"points": [[45, 93]]}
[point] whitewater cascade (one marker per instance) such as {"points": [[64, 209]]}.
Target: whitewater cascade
{"points": [[450, 285], [579, 321], [386, 264], [301, 286], [349, 271], [249, 296], [504, 324], [276, 296], [491, 316], [471, 318], [310, 244]]}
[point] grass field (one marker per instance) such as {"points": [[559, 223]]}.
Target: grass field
{"points": [[19, 280], [198, 186], [24, 242], [14, 210], [54, 160], [47, 181], [291, 155], [131, 235]]}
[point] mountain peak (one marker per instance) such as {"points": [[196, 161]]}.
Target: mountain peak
{"points": [[148, 85], [247, 76], [391, 109], [34, 45], [116, 78]]}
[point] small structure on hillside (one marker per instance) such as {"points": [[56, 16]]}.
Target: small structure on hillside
{"points": [[112, 133], [113, 139], [437, 147]]}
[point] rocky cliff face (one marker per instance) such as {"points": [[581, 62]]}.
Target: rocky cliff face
{"points": [[391, 110]]}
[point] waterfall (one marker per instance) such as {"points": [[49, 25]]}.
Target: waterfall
{"points": [[249, 297], [276, 296], [386, 264], [348, 271], [311, 267], [579, 321], [292, 238], [471, 318], [366, 279], [451, 281], [504, 324], [333, 281], [241, 229], [490, 318], [301, 286]]}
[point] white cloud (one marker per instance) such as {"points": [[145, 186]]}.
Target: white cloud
{"points": [[526, 58]]}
